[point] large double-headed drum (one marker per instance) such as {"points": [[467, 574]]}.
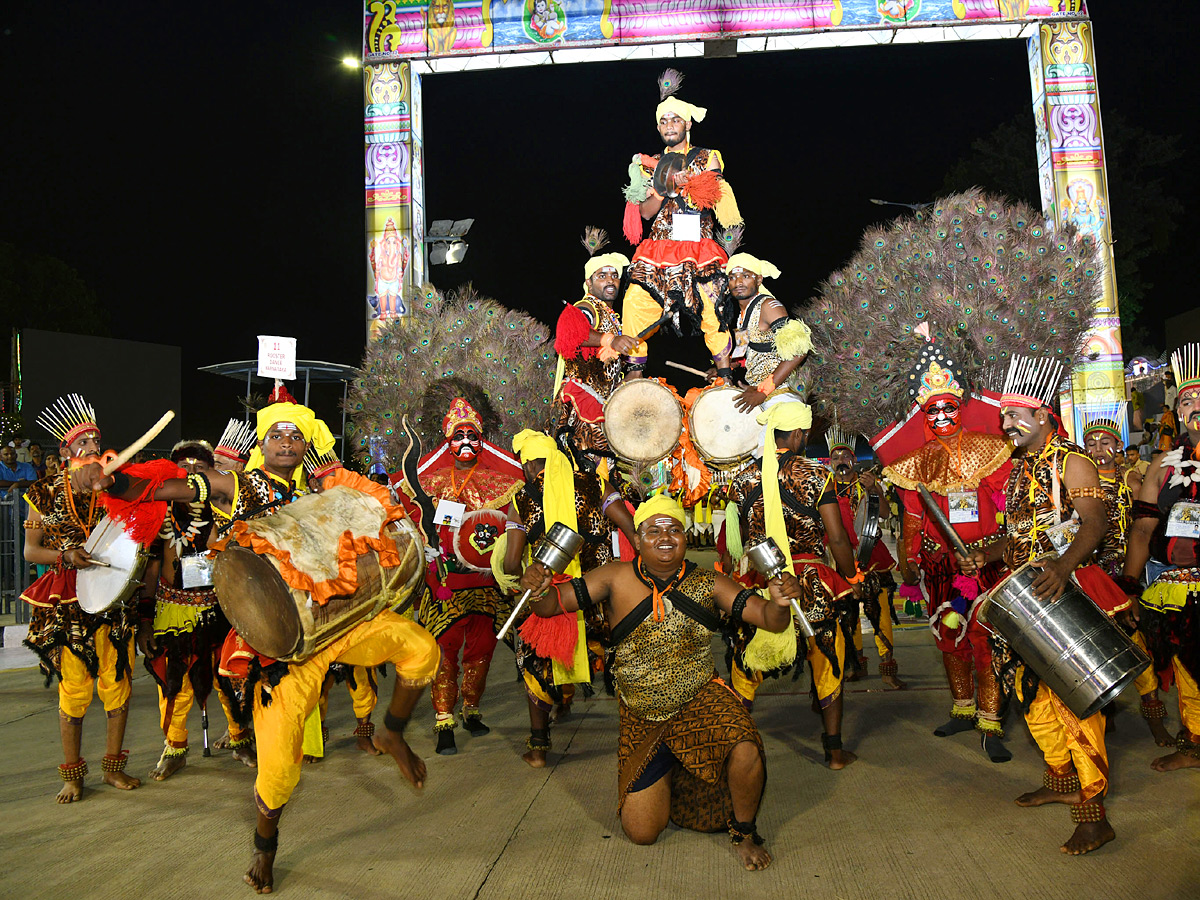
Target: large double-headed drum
{"points": [[284, 622], [725, 437], [1072, 645], [643, 421]]}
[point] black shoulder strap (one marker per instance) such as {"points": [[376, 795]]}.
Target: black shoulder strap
{"points": [[632, 620], [693, 610]]}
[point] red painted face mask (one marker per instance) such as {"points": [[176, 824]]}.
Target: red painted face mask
{"points": [[464, 444], [942, 417]]}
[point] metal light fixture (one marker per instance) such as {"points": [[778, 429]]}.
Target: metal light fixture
{"points": [[446, 236]]}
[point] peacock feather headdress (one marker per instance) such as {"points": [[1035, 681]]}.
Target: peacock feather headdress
{"points": [[460, 344], [1185, 363], [981, 277]]}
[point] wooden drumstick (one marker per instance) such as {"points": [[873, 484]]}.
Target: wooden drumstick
{"points": [[133, 449], [689, 369], [935, 513]]}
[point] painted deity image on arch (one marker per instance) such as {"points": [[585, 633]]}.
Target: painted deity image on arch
{"points": [[545, 21], [389, 256]]}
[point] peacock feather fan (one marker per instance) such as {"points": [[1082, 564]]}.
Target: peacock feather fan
{"points": [[455, 344], [983, 277]]}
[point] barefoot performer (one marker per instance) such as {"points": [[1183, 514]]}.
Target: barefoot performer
{"points": [[282, 695], [78, 648], [687, 751], [791, 499], [1053, 481], [1165, 535], [584, 502], [181, 626]]}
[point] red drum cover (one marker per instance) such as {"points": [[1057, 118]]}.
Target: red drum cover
{"points": [[473, 542]]}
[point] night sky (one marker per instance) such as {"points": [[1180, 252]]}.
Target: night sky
{"points": [[201, 165]]}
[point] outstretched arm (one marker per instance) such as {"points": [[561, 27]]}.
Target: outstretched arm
{"points": [[773, 614]]}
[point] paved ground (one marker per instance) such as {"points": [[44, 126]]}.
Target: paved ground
{"points": [[916, 817]]}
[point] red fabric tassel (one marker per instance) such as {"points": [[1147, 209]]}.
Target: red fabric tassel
{"points": [[703, 190], [632, 224], [280, 394], [1102, 590], [968, 587], [572, 330], [142, 517], [553, 638]]}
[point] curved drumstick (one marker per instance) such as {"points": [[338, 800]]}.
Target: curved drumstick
{"points": [[133, 449]]}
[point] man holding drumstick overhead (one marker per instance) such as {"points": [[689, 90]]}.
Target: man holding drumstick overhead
{"points": [[79, 648], [1053, 488], [281, 695]]}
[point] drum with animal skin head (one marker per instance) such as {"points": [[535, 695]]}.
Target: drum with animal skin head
{"points": [[283, 622], [119, 575], [724, 436], [642, 421]]}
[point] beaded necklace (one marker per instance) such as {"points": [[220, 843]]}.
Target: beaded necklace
{"points": [[72, 512]]}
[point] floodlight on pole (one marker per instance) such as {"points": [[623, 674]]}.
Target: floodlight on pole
{"points": [[446, 237], [351, 62]]}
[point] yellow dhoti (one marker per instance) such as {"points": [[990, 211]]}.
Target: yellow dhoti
{"points": [[279, 726]]}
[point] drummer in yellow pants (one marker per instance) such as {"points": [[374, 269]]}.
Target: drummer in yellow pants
{"points": [[279, 724], [1076, 759], [640, 312]]}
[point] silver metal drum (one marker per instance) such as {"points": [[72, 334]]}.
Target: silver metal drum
{"points": [[1072, 645]]}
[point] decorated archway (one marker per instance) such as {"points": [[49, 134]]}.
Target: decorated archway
{"points": [[405, 42]]}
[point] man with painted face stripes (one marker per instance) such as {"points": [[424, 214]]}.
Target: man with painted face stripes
{"points": [[966, 472], [462, 609]]}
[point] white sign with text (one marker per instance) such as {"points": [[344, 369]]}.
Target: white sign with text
{"points": [[277, 357]]}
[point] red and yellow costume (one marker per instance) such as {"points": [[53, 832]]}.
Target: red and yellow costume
{"points": [[462, 607], [677, 274], [1170, 621], [877, 569], [587, 375], [968, 464], [803, 487]]}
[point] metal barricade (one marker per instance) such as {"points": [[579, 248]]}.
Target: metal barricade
{"points": [[15, 573]]}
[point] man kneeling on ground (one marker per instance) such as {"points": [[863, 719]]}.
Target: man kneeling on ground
{"points": [[687, 751]]}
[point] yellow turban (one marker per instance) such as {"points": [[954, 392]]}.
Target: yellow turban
{"points": [[787, 416], [766, 650], [616, 261], [558, 486], [759, 267], [681, 108], [659, 505], [314, 431]]}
